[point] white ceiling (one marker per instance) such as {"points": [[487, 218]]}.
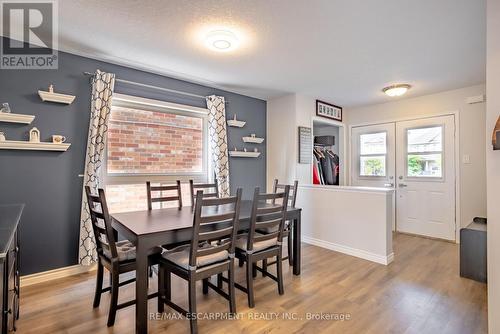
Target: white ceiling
{"points": [[343, 52]]}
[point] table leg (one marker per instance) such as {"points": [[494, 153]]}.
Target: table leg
{"points": [[296, 245], [141, 289]]}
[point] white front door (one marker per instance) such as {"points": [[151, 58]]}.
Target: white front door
{"points": [[425, 169], [417, 159]]}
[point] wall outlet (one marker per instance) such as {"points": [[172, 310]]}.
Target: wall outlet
{"points": [[466, 159]]}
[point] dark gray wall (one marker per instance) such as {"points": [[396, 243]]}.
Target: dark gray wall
{"points": [[48, 182]]}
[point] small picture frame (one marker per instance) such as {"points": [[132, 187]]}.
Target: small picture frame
{"points": [[328, 110]]}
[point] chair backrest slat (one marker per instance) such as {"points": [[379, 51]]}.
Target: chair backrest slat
{"points": [[267, 215], [215, 249], [210, 190], [104, 234], [292, 196], [266, 236], [217, 217], [214, 235], [222, 225], [150, 189]]}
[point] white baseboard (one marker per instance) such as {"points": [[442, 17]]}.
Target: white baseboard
{"points": [[55, 274], [385, 260]]}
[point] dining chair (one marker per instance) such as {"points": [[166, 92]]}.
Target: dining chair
{"points": [[203, 186], [161, 188], [287, 231], [257, 246], [118, 257], [214, 218]]}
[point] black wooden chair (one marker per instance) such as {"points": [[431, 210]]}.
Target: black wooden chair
{"points": [[255, 246], [151, 199], [287, 231], [118, 257], [206, 187], [214, 219]]}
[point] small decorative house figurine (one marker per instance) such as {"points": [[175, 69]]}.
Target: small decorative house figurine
{"points": [[2, 136], [34, 135]]}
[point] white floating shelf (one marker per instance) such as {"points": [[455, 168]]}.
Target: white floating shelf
{"points": [[243, 154], [256, 140], [26, 145], [56, 97], [235, 123], [16, 118]]}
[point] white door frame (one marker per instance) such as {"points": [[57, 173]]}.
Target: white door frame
{"points": [[456, 113]]}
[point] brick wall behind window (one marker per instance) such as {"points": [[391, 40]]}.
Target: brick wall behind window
{"points": [[149, 142]]}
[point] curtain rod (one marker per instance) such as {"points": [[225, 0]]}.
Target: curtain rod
{"points": [[154, 87]]}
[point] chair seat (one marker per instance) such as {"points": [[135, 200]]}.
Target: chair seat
{"points": [[180, 256], [241, 243], [125, 249]]}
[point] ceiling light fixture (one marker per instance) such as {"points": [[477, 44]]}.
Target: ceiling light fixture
{"points": [[221, 40], [396, 90]]}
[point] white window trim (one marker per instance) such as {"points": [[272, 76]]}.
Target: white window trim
{"points": [[372, 177], [135, 102]]}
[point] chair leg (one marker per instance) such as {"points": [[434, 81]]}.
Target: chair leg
{"points": [[98, 285], [254, 270], [113, 302], [251, 302], [279, 273], [205, 286], [240, 262], [290, 248], [161, 289], [167, 276], [232, 299], [219, 281], [264, 267], [192, 305]]}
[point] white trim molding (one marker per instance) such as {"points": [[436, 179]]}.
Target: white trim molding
{"points": [[385, 260], [50, 275]]}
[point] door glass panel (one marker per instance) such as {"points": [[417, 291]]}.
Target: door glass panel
{"points": [[425, 140], [372, 165], [426, 165], [373, 143]]}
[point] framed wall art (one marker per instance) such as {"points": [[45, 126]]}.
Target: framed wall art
{"points": [[328, 110]]}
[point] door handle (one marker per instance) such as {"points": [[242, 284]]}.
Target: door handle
{"points": [[402, 185], [389, 185]]}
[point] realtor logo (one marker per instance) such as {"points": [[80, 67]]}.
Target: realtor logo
{"points": [[29, 31]]}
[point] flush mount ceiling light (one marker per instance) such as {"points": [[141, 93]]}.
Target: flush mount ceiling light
{"points": [[221, 40], [396, 90]]}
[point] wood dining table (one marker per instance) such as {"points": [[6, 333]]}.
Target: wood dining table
{"points": [[150, 228]]}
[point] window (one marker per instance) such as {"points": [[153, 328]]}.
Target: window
{"points": [[372, 154], [425, 152], [152, 141]]}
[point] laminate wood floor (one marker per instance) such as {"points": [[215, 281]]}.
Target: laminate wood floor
{"points": [[420, 292]]}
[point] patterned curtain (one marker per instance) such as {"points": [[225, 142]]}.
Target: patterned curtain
{"points": [[100, 108], [218, 141]]}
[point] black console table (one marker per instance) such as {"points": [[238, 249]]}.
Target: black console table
{"points": [[10, 216]]}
